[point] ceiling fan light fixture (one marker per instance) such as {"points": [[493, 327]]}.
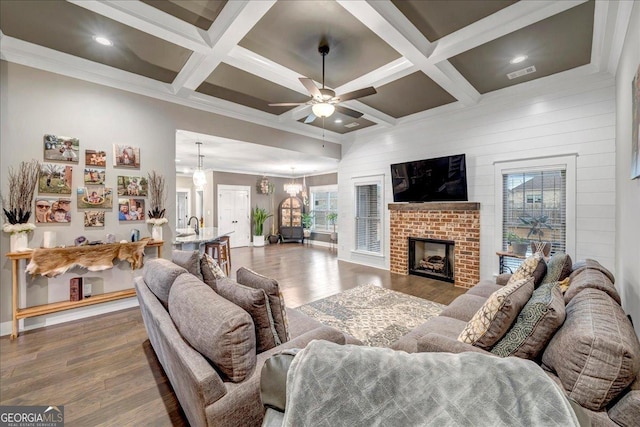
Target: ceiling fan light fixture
{"points": [[323, 109]]}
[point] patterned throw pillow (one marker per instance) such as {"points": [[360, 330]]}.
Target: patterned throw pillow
{"points": [[535, 325], [559, 268], [534, 266], [496, 315], [564, 285], [211, 271]]}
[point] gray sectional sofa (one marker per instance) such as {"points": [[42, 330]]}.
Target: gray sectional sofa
{"points": [[207, 347], [588, 345]]}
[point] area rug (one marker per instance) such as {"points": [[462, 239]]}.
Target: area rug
{"points": [[375, 315]]}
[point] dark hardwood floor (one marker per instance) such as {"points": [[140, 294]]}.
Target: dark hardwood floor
{"points": [[104, 371]]}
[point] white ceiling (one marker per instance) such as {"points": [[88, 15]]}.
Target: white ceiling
{"points": [[227, 155]]}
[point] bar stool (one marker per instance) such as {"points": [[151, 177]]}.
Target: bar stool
{"points": [[225, 239], [219, 251]]}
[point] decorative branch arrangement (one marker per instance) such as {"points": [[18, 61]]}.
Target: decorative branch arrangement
{"points": [[22, 185], [157, 196]]}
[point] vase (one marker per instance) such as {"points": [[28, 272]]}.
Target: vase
{"points": [[19, 241], [156, 232]]}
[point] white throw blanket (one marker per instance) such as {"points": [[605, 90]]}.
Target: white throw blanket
{"points": [[334, 385]]}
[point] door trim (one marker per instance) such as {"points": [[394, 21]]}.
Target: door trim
{"points": [[183, 190]]}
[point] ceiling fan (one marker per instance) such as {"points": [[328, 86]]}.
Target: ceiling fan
{"points": [[324, 101]]}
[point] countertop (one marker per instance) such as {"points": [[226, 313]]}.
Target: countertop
{"points": [[206, 234]]}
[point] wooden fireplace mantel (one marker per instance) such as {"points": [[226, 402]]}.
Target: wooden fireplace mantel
{"points": [[435, 206]]}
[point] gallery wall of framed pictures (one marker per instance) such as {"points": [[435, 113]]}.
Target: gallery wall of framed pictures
{"points": [[93, 196]]}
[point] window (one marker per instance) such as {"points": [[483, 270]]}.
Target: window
{"points": [[324, 201], [536, 191], [368, 211]]}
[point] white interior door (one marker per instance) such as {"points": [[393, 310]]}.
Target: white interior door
{"points": [[234, 214], [183, 204]]}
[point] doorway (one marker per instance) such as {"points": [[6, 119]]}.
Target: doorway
{"points": [[183, 207], [234, 213]]}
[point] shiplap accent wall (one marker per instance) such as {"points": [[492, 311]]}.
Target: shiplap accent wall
{"points": [[529, 121]]}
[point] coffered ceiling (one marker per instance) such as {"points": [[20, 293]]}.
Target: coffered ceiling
{"points": [[424, 57]]}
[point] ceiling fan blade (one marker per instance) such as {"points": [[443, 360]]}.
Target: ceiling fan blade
{"points": [[311, 87], [348, 112], [286, 104], [358, 93], [311, 117]]}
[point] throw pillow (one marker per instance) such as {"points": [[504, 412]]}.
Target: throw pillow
{"points": [[250, 278], [256, 303], [539, 319], [211, 271], [496, 315], [218, 329], [564, 285], [189, 260], [534, 266], [596, 353], [159, 274], [559, 268]]}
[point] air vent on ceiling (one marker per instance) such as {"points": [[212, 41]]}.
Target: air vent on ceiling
{"points": [[523, 72], [352, 125]]}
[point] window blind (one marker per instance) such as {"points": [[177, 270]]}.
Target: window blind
{"points": [[323, 201], [368, 213], [534, 195]]}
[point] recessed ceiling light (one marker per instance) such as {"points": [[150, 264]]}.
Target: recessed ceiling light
{"points": [[338, 121], [103, 40], [518, 59], [178, 160]]}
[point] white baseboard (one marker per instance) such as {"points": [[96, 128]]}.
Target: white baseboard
{"points": [[70, 315]]}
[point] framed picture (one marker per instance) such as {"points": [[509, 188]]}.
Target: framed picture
{"points": [[126, 156], [61, 148], [132, 186], [94, 218], [635, 131], [95, 158], [131, 210], [95, 197], [94, 176], [55, 179], [53, 209]]}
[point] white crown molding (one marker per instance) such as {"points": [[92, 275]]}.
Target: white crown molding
{"points": [[620, 26]]}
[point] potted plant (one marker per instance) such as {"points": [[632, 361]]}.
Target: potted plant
{"points": [[260, 215], [307, 222], [537, 226], [332, 218], [518, 244]]}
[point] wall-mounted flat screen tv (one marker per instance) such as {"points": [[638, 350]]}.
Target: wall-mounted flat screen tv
{"points": [[443, 179]]}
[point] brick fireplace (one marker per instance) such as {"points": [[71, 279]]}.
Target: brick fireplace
{"points": [[454, 221]]}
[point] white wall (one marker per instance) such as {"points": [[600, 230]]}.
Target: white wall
{"points": [[33, 103], [627, 191], [527, 121]]}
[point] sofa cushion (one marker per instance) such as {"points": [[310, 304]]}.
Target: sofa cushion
{"points": [[218, 329], [589, 278], [159, 274], [447, 326], [497, 314], [559, 268], [626, 411], [256, 303], [534, 266], [211, 271], [485, 288], [464, 307], [596, 353], [591, 264], [276, 300], [539, 319], [190, 260]]}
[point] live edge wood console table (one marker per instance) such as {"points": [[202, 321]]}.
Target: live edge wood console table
{"points": [[77, 259]]}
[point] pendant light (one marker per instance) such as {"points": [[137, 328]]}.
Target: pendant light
{"points": [[199, 178], [292, 188]]}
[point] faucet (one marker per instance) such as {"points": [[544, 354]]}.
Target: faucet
{"points": [[197, 227]]}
